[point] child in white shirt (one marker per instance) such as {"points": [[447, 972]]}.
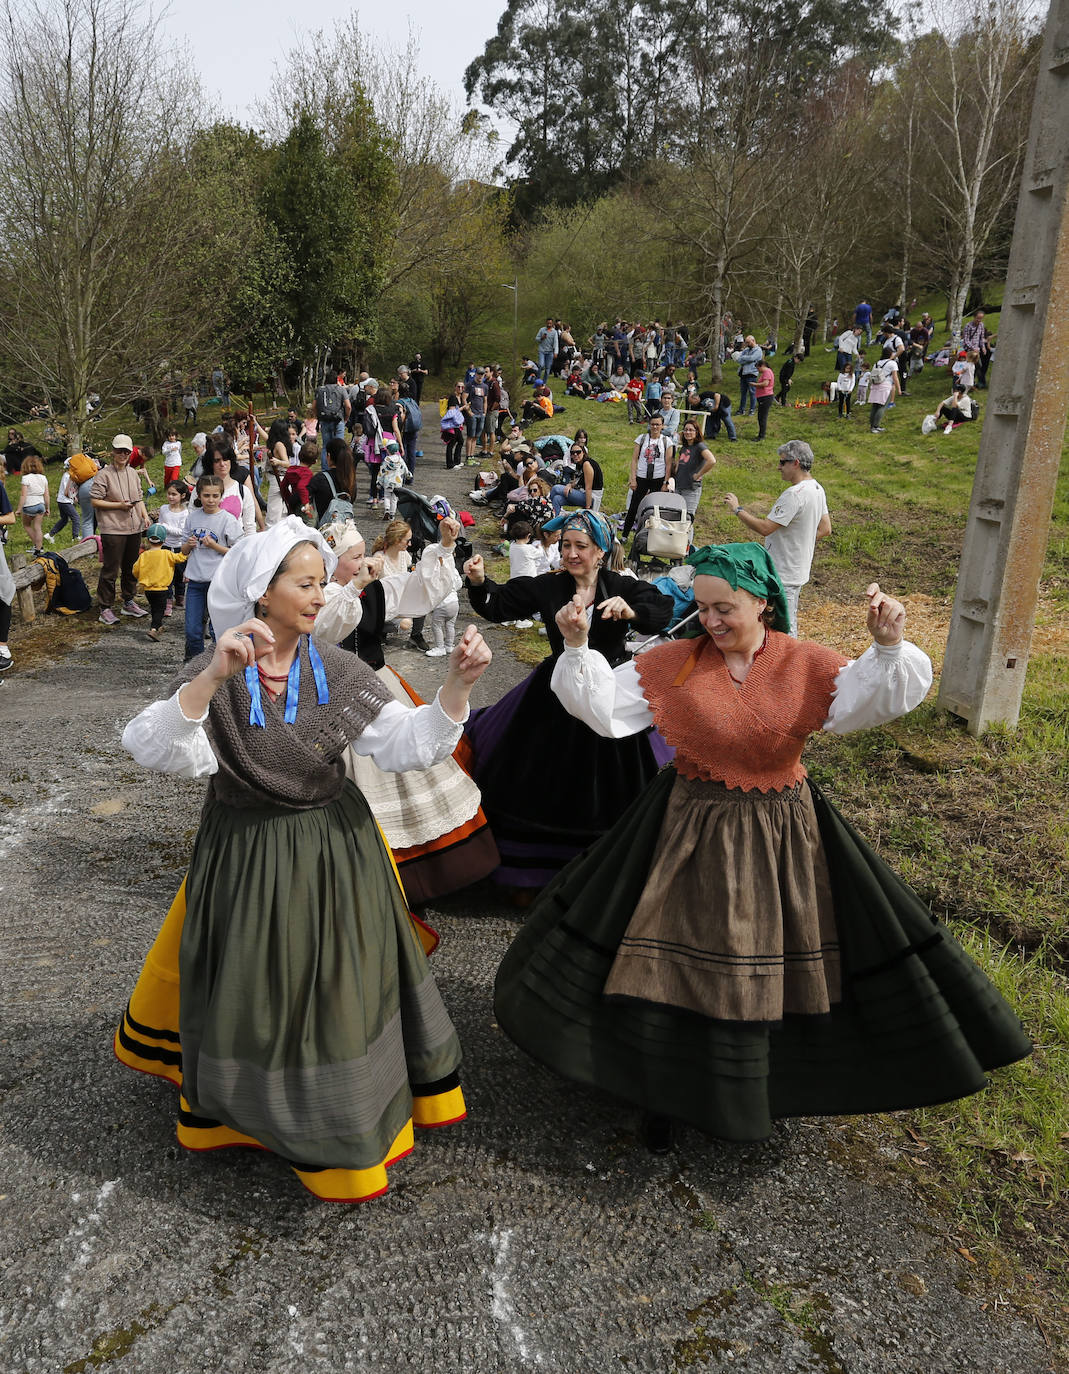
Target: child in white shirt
{"points": [[67, 501], [844, 387], [392, 476], [172, 457]]}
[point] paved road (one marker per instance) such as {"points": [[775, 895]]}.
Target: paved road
{"points": [[537, 1235]]}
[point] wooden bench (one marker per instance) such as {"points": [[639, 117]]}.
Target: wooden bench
{"points": [[31, 575]]}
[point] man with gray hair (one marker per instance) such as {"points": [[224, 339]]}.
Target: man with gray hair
{"points": [[794, 524]]}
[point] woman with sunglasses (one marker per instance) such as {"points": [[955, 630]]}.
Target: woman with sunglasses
{"points": [[585, 487]]}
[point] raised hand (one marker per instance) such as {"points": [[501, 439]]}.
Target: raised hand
{"points": [[240, 647], [475, 570], [886, 617], [571, 621]]}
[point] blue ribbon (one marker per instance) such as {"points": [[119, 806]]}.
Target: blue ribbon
{"points": [[293, 687], [256, 710]]}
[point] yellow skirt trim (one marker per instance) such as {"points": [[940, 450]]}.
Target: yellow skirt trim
{"points": [[443, 1109]]}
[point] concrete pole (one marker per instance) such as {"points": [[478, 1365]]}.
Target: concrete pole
{"points": [[1020, 448]]}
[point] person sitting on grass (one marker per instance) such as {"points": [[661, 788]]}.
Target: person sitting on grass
{"points": [[958, 409]]}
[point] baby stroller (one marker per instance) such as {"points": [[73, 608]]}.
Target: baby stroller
{"points": [[663, 532]]}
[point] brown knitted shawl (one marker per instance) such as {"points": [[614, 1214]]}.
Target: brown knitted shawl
{"points": [[749, 736], [297, 766]]}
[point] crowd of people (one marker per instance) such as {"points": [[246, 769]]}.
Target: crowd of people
{"points": [[689, 889]]}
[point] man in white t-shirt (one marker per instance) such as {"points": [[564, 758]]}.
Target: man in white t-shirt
{"points": [[794, 524]]}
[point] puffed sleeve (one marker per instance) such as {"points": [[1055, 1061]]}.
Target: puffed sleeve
{"points": [[609, 700], [340, 614], [403, 739], [881, 685], [163, 738], [434, 578]]}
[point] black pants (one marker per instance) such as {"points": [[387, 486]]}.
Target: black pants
{"points": [[764, 405], [844, 402], [5, 620], [643, 487], [157, 602], [453, 447]]}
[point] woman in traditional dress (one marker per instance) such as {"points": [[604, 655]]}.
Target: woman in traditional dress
{"points": [[536, 829], [432, 818], [732, 951], [288, 993]]}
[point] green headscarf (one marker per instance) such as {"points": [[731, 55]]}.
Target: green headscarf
{"points": [[747, 566]]}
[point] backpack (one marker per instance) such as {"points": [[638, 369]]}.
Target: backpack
{"points": [[66, 587], [81, 467], [415, 415], [328, 402], [340, 508]]}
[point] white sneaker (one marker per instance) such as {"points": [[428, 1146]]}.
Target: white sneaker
{"points": [[437, 653], [522, 624], [50, 539], [949, 429]]}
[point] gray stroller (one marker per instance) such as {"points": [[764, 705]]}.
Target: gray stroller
{"points": [[663, 533]]}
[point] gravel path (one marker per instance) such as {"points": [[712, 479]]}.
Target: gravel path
{"points": [[538, 1235]]}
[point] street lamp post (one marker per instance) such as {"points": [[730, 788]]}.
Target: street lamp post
{"points": [[514, 287]]}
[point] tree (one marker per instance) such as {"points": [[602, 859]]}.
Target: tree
{"points": [[90, 155], [978, 72]]}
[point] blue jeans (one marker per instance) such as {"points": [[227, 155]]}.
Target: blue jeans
{"points": [[746, 393], [723, 416], [545, 362], [68, 514], [560, 498], [196, 614], [329, 429], [85, 503]]}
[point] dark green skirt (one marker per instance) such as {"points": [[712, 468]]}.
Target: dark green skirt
{"points": [[918, 1023], [308, 1013]]}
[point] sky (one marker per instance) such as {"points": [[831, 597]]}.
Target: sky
{"points": [[235, 44]]}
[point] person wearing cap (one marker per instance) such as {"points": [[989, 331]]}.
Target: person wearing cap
{"points": [[732, 952], [794, 524], [120, 517], [475, 419], [154, 570], [288, 994]]}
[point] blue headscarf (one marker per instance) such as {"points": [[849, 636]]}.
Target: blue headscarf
{"points": [[588, 522]]}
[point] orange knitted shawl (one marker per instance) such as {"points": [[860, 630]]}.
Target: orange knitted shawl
{"points": [[749, 736]]}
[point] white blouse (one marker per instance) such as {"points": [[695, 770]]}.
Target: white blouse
{"points": [[881, 685], [400, 739], [434, 578]]}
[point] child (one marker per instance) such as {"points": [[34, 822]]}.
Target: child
{"points": [[33, 499], [172, 517], [633, 391], [443, 621], [172, 457], [155, 570], [547, 551], [310, 428], [293, 484], [523, 555], [844, 386], [209, 532], [392, 476], [66, 500]]}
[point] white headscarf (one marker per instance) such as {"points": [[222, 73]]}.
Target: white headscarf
{"points": [[247, 569]]}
